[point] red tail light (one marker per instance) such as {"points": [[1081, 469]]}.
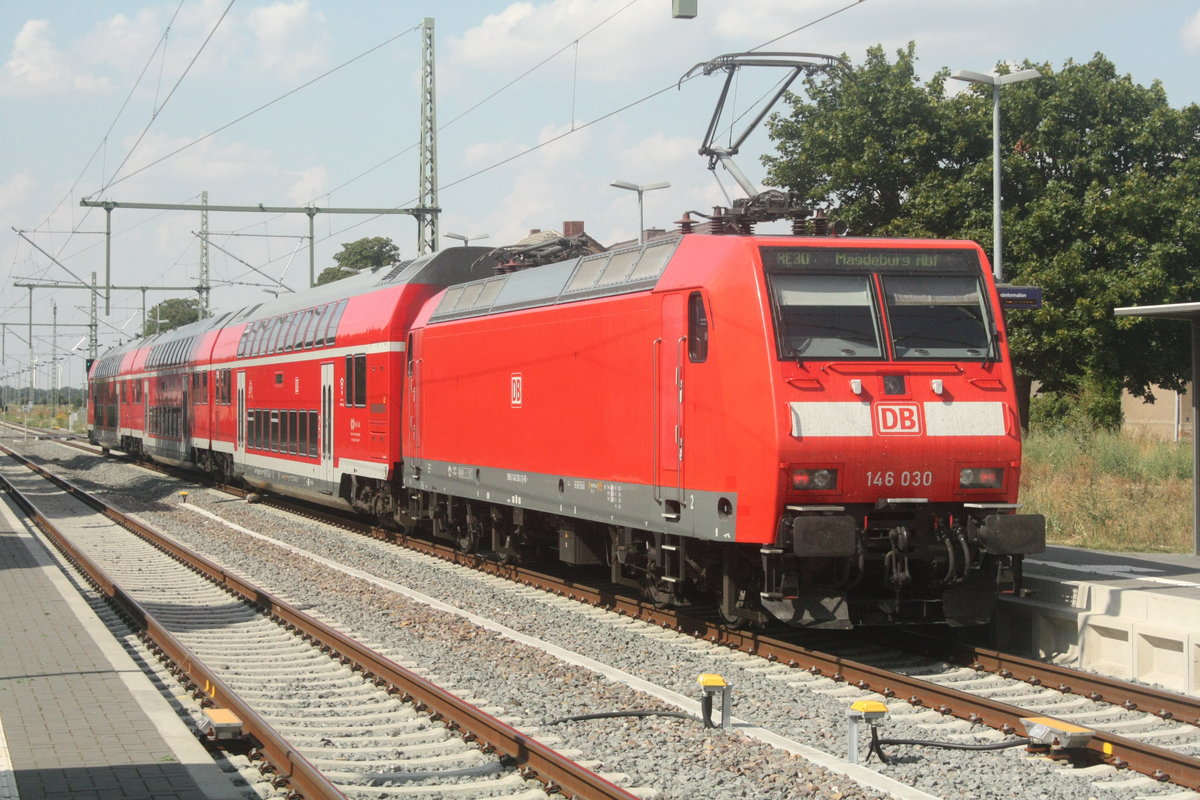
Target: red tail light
{"points": [[981, 478], [814, 480]]}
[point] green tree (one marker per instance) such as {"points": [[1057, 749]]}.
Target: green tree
{"points": [[364, 254], [1099, 202], [170, 314]]}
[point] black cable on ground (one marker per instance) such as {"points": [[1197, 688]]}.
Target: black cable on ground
{"points": [[614, 714], [877, 743]]}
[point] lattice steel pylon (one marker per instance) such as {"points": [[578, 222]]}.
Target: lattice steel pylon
{"points": [[205, 288], [427, 223]]}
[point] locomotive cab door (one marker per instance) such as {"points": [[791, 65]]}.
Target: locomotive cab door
{"points": [[669, 360], [411, 376], [325, 470]]}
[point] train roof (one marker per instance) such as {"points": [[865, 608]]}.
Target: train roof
{"points": [[620, 271], [175, 346]]}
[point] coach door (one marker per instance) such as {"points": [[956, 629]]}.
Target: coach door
{"points": [[669, 360], [239, 445], [325, 472]]}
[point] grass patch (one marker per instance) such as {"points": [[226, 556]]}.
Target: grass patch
{"points": [[1107, 491]]}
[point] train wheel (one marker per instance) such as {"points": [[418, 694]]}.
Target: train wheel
{"points": [[738, 604], [467, 538]]}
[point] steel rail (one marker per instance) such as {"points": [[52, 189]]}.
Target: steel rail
{"points": [[557, 772], [1100, 688], [290, 766]]}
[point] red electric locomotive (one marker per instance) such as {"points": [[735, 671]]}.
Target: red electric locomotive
{"points": [[819, 430]]}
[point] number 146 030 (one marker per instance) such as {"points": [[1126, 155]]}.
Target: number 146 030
{"points": [[903, 478]]}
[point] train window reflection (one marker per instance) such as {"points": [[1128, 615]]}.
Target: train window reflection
{"points": [[942, 316], [825, 316]]}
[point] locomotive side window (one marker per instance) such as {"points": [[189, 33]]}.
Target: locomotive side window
{"points": [[937, 316], [697, 329], [825, 316]]}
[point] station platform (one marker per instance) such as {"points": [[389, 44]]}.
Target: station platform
{"points": [[1126, 615], [78, 717]]}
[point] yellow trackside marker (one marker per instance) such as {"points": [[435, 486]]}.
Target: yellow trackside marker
{"points": [[868, 707]]}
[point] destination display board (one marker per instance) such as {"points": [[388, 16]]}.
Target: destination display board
{"points": [[876, 259]]}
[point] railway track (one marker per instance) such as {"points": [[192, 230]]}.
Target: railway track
{"points": [[957, 688], [331, 717]]}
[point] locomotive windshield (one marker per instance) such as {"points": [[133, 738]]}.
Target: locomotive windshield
{"points": [[826, 316], [936, 316], [836, 303]]}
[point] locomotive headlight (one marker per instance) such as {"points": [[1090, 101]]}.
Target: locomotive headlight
{"points": [[981, 478], [814, 480]]}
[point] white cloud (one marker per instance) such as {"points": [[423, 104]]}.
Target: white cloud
{"points": [[15, 192], [124, 42], [310, 184], [487, 153], [637, 40], [35, 65], [1191, 33], [289, 37], [203, 164]]}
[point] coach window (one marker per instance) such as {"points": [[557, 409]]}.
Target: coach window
{"points": [[250, 334], [356, 380], [697, 329], [278, 334], [264, 344], [312, 434], [318, 321], [260, 337], [264, 338], [360, 380], [304, 337], [334, 319], [294, 337], [255, 336], [285, 339], [296, 332]]}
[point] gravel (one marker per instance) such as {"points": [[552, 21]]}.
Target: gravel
{"points": [[677, 758]]}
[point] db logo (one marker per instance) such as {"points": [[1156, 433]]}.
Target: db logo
{"points": [[902, 419], [517, 390]]}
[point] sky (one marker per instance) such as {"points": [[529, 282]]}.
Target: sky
{"points": [[540, 106]]}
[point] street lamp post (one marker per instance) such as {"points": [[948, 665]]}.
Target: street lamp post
{"points": [[464, 238], [633, 187], [996, 81]]}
